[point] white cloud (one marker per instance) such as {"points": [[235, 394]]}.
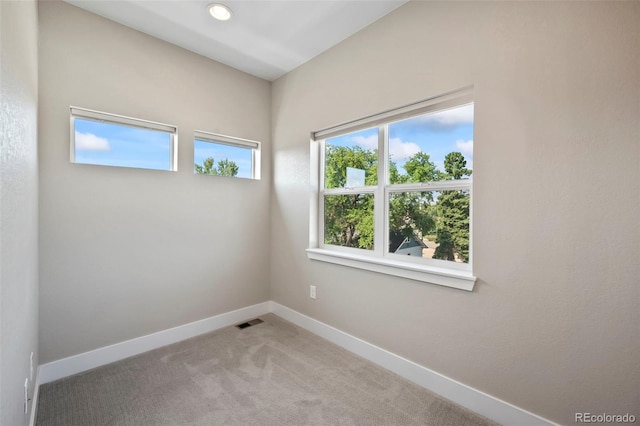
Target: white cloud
{"points": [[449, 118], [369, 142], [399, 150], [91, 142], [466, 147]]}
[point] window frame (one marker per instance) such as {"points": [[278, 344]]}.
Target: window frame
{"points": [[121, 120], [435, 271], [216, 138]]}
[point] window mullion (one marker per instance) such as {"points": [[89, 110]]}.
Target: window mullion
{"points": [[443, 185], [350, 191], [379, 199]]}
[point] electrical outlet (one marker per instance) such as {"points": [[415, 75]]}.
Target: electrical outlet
{"points": [[312, 291]]}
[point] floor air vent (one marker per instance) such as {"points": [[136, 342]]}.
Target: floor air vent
{"points": [[249, 323]]}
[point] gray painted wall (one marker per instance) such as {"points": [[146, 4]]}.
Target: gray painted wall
{"points": [[127, 252], [553, 325], [18, 205]]}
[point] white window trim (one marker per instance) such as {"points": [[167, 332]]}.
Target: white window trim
{"points": [[106, 117], [237, 142], [441, 276], [434, 271]]}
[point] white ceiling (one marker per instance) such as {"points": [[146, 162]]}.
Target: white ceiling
{"points": [[266, 38]]}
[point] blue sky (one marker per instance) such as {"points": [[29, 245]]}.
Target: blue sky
{"points": [[118, 145], [437, 134]]}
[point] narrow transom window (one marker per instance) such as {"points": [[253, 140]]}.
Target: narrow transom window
{"points": [[394, 192], [107, 139], [221, 155]]}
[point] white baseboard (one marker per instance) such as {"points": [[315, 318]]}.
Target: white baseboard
{"points": [[473, 399], [85, 361]]}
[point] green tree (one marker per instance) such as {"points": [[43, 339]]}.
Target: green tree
{"points": [[453, 213], [455, 166], [338, 158], [206, 168], [452, 225], [225, 167], [445, 247], [421, 169], [411, 213], [348, 219]]}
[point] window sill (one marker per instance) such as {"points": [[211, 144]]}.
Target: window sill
{"points": [[440, 276]]}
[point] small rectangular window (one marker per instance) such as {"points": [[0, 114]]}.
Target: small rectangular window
{"points": [[106, 139], [221, 155]]}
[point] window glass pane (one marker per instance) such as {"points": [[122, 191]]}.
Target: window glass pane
{"points": [[218, 159], [108, 144], [432, 147], [430, 224], [348, 220], [352, 160]]}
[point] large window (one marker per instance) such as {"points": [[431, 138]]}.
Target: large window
{"points": [[228, 156], [106, 139], [394, 192]]}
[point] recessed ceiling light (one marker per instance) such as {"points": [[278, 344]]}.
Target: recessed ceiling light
{"points": [[219, 11]]}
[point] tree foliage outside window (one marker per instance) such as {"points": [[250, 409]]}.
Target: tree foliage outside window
{"points": [[222, 155], [340, 157], [349, 219], [452, 212], [224, 167], [399, 184]]}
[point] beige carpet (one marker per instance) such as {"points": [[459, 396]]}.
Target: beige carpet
{"points": [[273, 373]]}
